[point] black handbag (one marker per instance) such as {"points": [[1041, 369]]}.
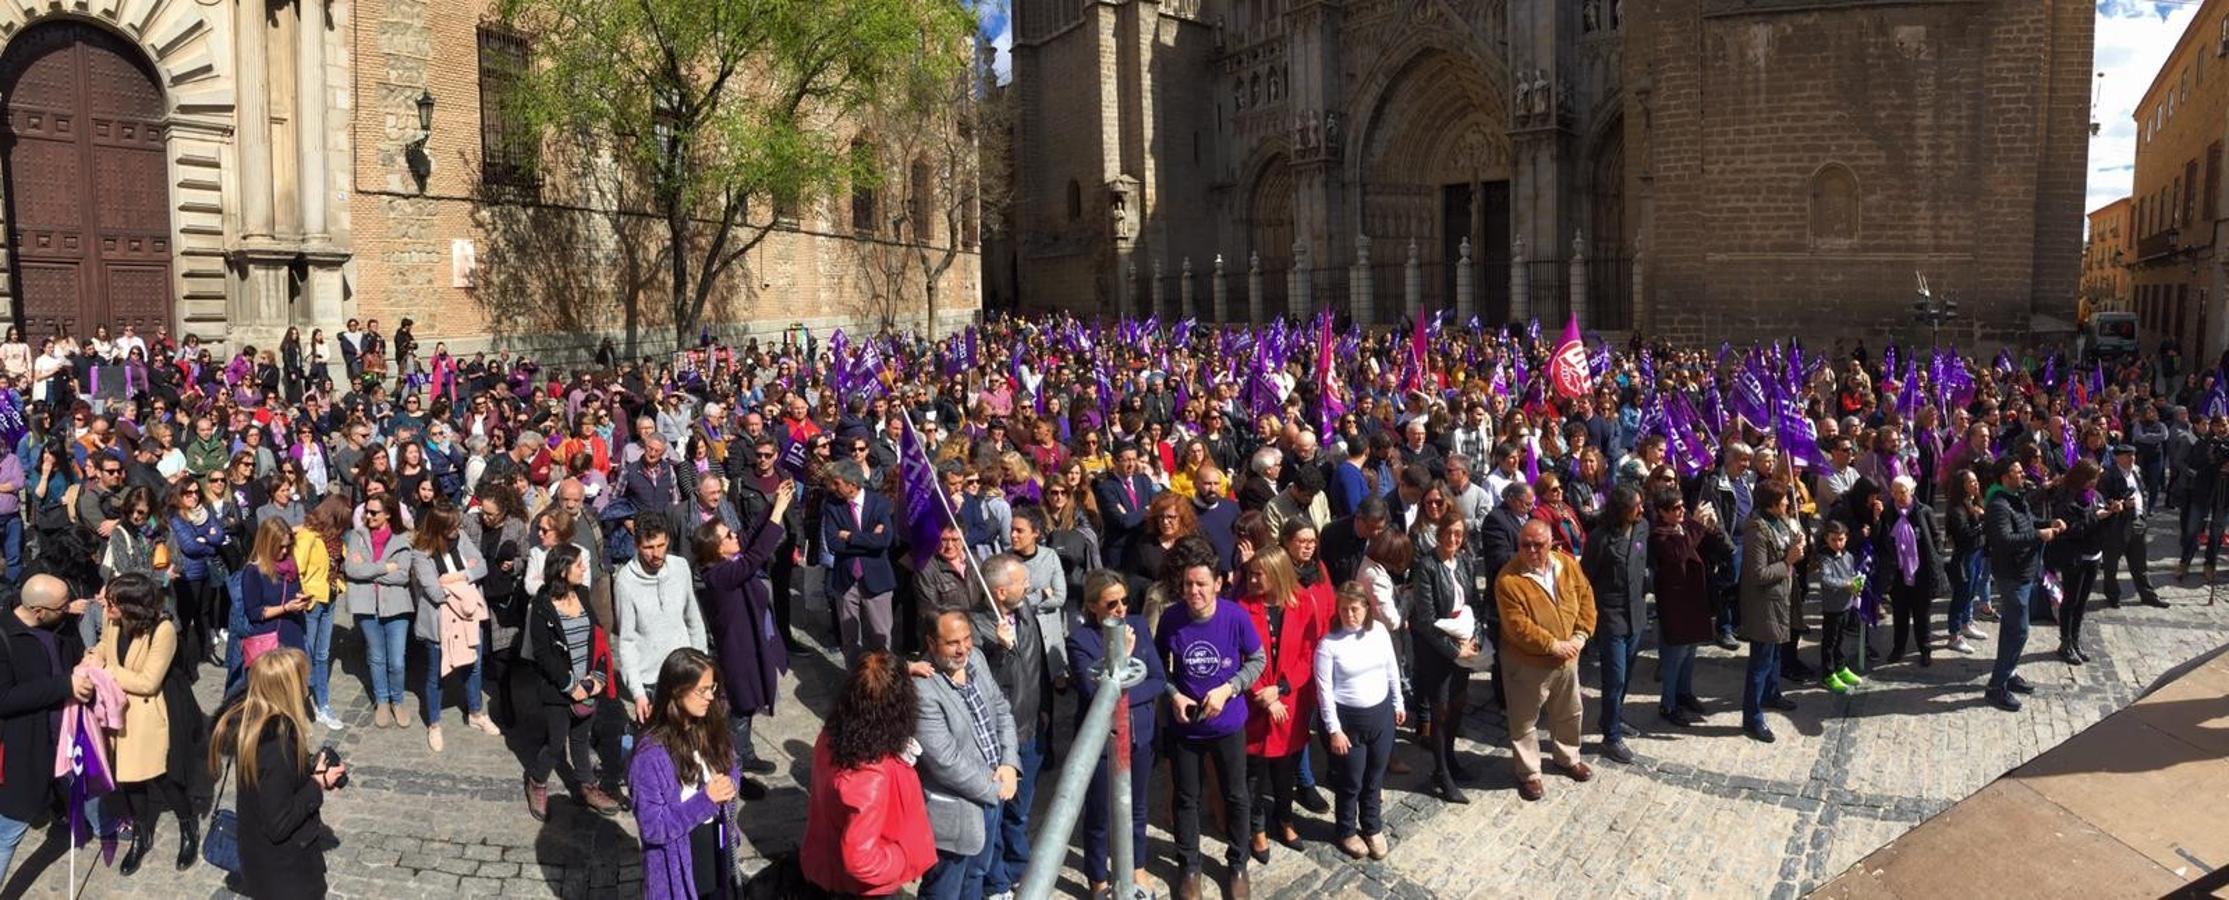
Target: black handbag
{"points": [[220, 842]]}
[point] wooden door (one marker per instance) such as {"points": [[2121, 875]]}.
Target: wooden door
{"points": [[87, 197]]}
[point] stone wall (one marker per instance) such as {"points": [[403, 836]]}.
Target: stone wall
{"points": [[1816, 154]]}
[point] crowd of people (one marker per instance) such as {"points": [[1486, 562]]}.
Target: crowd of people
{"points": [[1317, 539]]}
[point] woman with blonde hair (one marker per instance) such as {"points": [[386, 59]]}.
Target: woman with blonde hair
{"points": [[1284, 698], [281, 782], [271, 594], [317, 552]]}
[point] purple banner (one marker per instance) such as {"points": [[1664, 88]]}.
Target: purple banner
{"points": [[793, 459], [924, 506]]}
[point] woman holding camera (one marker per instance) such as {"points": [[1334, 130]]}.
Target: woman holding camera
{"points": [[281, 782], [564, 665]]}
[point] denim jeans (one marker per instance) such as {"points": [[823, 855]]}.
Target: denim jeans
{"points": [[1005, 873], [11, 834], [319, 627], [11, 547], [1962, 590], [1616, 653], [1760, 684], [2012, 632], [1679, 675], [386, 651], [432, 694], [956, 877]]}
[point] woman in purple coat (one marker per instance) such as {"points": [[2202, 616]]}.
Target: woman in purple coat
{"points": [[739, 610], [684, 778]]}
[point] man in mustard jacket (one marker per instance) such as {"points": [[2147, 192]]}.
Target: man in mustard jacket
{"points": [[1547, 612]]}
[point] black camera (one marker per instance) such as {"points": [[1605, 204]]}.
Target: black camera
{"points": [[327, 758]]}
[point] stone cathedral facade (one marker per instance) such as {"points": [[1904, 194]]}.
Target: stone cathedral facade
{"points": [[1697, 167]]}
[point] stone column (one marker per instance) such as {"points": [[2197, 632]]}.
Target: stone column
{"points": [[1361, 285], [1520, 282], [309, 99], [1301, 299], [1222, 292], [1412, 281], [252, 115], [1184, 290], [1254, 288], [1466, 283], [1579, 278], [1158, 296]]}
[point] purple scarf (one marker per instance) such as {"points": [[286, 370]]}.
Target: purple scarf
{"points": [[1907, 546]]}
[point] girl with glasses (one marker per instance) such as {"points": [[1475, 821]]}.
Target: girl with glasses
{"points": [[685, 781]]}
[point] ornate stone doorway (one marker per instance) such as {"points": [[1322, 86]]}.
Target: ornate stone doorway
{"points": [[81, 152]]}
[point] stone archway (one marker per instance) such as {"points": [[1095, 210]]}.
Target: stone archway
{"points": [[1434, 168], [1269, 231], [168, 54]]}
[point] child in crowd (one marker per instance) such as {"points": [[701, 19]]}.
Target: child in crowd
{"points": [[1840, 585]]}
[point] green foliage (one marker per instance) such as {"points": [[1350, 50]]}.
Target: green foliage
{"points": [[722, 109]]}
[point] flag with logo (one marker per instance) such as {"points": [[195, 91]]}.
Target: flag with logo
{"points": [[1569, 371]]}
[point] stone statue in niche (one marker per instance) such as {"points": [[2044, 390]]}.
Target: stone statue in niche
{"points": [[1540, 89], [1524, 94], [1590, 16], [1119, 206], [1331, 129], [1617, 13]]}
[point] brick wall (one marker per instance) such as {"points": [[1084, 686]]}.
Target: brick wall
{"points": [[1953, 119], [2178, 291], [560, 275]]}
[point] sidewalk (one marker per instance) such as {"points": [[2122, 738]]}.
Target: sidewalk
{"points": [[2135, 806]]}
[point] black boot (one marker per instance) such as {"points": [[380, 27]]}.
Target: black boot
{"points": [[189, 842], [142, 840]]}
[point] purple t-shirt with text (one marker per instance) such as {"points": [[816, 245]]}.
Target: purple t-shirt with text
{"points": [[1203, 656]]}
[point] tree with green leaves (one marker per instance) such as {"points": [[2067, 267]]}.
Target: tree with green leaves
{"points": [[726, 112]]}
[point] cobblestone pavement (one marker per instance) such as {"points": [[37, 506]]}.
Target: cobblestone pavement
{"points": [[1700, 812]]}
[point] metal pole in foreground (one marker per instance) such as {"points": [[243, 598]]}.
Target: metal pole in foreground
{"points": [[1121, 855], [1116, 675]]}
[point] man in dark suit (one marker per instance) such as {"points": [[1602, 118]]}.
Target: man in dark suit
{"points": [[35, 680], [1123, 495], [1497, 538], [1346, 542], [2124, 536], [856, 527]]}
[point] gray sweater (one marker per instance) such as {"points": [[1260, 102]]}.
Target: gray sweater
{"points": [[1048, 596], [1837, 582]]}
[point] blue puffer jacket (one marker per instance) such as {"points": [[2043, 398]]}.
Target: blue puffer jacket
{"points": [[196, 546]]}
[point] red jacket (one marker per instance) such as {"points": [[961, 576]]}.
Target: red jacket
{"points": [[1292, 666], [866, 829]]}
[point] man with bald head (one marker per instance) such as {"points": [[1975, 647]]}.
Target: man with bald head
{"points": [[34, 683], [1547, 612]]}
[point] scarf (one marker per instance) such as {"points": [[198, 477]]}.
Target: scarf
{"points": [[1907, 546]]}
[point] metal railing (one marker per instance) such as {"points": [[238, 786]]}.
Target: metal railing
{"points": [[1108, 718]]}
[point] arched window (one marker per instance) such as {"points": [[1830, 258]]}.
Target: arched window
{"points": [[1835, 205], [1075, 200]]}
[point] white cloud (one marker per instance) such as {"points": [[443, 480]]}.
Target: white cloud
{"points": [[2133, 40], [1002, 64]]}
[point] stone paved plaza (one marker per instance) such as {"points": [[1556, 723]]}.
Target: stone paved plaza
{"points": [[1703, 812]]}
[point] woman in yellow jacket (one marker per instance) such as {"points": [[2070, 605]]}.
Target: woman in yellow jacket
{"points": [[317, 544], [137, 647]]}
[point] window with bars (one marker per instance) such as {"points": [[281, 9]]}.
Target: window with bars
{"points": [[510, 149], [2213, 182], [862, 193]]}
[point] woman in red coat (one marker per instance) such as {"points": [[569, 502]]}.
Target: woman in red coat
{"points": [[866, 824], [1284, 697]]}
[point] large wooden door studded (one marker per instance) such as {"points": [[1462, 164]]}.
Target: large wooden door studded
{"points": [[88, 220]]}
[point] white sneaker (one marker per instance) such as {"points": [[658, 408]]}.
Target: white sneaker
{"points": [[1958, 643], [1973, 632], [331, 722]]}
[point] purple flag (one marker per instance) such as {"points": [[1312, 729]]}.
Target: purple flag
{"points": [[926, 511], [89, 774], [793, 460]]}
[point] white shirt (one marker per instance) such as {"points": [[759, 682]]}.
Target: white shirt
{"points": [[1356, 669], [1547, 580]]}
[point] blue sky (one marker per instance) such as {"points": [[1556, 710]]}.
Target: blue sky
{"points": [[2133, 40], [998, 28]]}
